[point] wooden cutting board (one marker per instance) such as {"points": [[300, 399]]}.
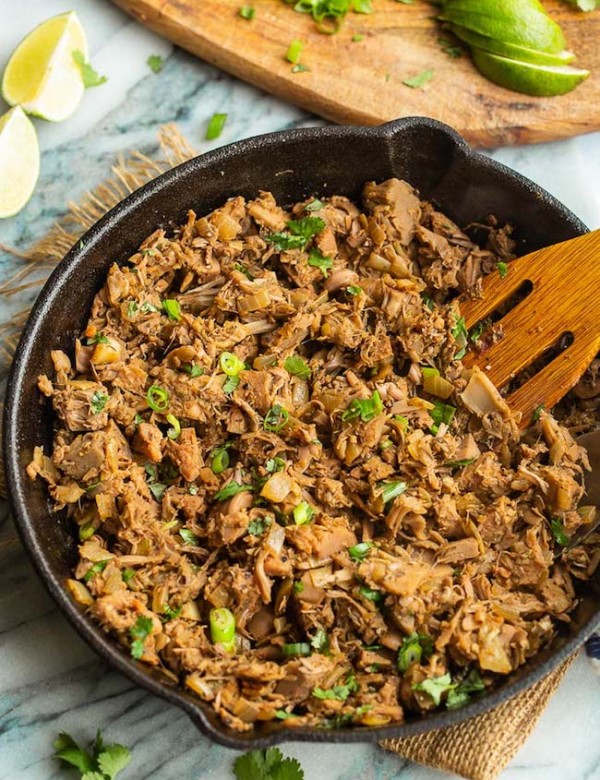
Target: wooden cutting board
{"points": [[361, 82]]}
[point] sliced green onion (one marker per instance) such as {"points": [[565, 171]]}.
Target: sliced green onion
{"points": [[95, 569], [172, 309], [298, 587], [175, 429], [192, 369], [352, 289], [231, 364], [296, 648], [276, 418], [367, 409], [389, 490], [502, 269], [222, 628], [410, 652], [294, 51], [461, 337], [441, 413], [86, 530], [127, 575], [158, 398], [358, 552], [189, 537], [303, 513], [434, 384], [215, 126], [220, 460]]}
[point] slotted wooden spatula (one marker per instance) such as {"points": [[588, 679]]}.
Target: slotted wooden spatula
{"points": [[564, 299]]}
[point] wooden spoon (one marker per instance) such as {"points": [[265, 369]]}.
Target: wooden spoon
{"points": [[564, 300]]}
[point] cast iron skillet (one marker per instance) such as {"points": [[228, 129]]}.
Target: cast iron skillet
{"points": [[292, 164]]}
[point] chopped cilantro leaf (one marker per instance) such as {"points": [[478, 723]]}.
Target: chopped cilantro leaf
{"points": [[155, 62], [416, 82], [297, 367], [139, 632], [318, 260], [267, 764], [88, 75]]}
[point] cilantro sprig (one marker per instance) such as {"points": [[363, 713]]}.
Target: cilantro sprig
{"points": [[299, 232], [103, 763], [268, 764]]}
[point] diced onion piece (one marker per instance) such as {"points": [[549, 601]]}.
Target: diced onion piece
{"points": [[80, 593], [254, 301], [481, 396], [106, 352], [277, 487], [435, 384]]}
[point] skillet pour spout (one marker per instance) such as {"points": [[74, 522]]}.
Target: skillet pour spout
{"points": [[293, 164]]}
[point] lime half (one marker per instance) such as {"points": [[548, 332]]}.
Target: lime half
{"points": [[511, 50], [19, 161], [513, 21], [538, 80], [42, 75]]}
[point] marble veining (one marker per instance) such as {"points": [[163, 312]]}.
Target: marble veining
{"points": [[49, 679]]}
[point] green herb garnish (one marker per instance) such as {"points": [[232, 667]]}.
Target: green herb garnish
{"points": [[172, 309], [300, 231], [558, 532], [366, 409], [155, 62], [192, 370], [502, 269], [358, 552], [247, 12], [89, 76], [276, 418], [537, 412], [297, 367], [215, 126], [338, 692], [139, 632], [98, 402], [267, 764], [157, 398], [317, 259], [98, 567], [230, 384], [258, 526], [274, 464], [414, 648], [231, 489], [104, 763], [389, 490], [189, 537], [416, 82], [371, 594]]}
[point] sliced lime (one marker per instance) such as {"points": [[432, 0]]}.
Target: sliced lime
{"points": [[511, 50], [539, 80], [42, 75], [19, 161], [514, 21]]}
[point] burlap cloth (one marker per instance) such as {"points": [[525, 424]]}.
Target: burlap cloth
{"points": [[478, 749]]}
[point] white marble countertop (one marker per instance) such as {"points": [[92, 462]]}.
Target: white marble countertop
{"points": [[50, 680]]}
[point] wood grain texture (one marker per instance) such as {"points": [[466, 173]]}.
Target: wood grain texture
{"points": [[361, 83], [565, 280]]}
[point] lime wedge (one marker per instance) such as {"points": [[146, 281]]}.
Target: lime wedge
{"points": [[539, 80], [514, 21], [511, 50], [42, 75], [19, 161]]}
